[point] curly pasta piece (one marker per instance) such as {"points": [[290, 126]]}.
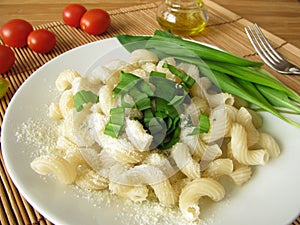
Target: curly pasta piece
{"points": [[66, 102], [183, 158], [121, 149], [140, 73], [67, 127], [220, 99], [244, 118], [149, 67], [178, 182], [159, 67], [107, 73], [75, 157], [191, 69], [75, 128], [205, 84], [231, 112], [196, 145], [91, 180], [220, 124], [54, 111], [219, 167], [64, 171], [266, 141], [82, 83], [211, 153], [65, 79], [257, 120], [92, 158], [137, 193], [241, 175], [142, 56], [240, 149], [200, 87], [151, 175], [162, 162], [106, 99], [193, 191]]}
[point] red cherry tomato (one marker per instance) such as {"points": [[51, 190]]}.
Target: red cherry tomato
{"points": [[41, 41], [7, 58], [72, 14], [95, 21], [14, 33]]}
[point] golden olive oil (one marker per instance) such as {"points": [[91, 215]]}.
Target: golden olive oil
{"points": [[185, 17]]}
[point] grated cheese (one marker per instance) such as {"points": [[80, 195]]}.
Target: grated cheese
{"points": [[42, 135]]}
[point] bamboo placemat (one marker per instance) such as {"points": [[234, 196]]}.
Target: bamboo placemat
{"points": [[225, 30]]}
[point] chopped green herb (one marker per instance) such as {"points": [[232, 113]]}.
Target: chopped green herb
{"points": [[82, 97], [161, 101], [127, 82], [116, 122], [158, 130], [142, 101], [125, 104], [157, 74], [186, 79], [203, 125]]}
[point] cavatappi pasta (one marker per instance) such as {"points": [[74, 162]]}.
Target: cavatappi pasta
{"points": [[128, 166]]}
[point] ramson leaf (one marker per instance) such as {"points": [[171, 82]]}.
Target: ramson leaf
{"points": [[82, 97]]}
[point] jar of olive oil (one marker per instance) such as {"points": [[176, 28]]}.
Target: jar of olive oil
{"points": [[182, 17]]}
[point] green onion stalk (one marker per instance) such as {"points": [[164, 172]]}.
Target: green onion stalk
{"points": [[231, 73]]}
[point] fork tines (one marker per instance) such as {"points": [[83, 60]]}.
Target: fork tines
{"points": [[262, 46], [268, 53]]}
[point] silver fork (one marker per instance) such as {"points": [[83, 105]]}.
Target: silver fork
{"points": [[267, 53]]}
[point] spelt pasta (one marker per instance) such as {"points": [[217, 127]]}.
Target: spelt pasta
{"points": [[128, 165], [65, 79], [244, 118], [54, 111], [240, 151], [66, 102], [219, 167], [193, 191], [57, 165], [266, 141], [220, 125], [91, 180], [241, 174], [106, 99], [183, 158], [121, 149]]}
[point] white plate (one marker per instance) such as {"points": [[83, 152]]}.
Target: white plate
{"points": [[271, 197]]}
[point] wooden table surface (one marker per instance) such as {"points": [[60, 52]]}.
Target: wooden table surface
{"points": [[280, 17]]}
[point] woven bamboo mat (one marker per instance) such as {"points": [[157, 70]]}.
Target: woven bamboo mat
{"points": [[225, 30]]}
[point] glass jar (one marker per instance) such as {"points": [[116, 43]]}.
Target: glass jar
{"points": [[182, 17]]}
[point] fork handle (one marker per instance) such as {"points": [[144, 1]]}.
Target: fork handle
{"points": [[295, 70]]}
